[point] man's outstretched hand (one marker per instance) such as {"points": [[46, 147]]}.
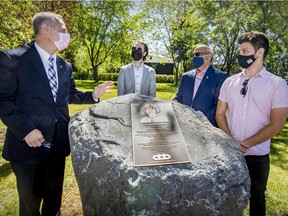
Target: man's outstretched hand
{"points": [[102, 89]]}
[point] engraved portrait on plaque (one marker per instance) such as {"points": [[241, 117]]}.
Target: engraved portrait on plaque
{"points": [[153, 114], [157, 138]]}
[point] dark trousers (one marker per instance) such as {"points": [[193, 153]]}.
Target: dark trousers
{"points": [[43, 182], [259, 167]]}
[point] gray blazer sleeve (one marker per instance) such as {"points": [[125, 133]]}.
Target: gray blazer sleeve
{"points": [[152, 90], [121, 82]]}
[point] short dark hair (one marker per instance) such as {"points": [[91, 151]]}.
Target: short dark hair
{"points": [[48, 18], [145, 48], [257, 39]]}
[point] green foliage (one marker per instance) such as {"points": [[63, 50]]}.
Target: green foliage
{"points": [[219, 23], [165, 78], [228, 19], [16, 16], [160, 78], [273, 16], [102, 32], [101, 27], [81, 75], [15, 26], [82, 62], [110, 67], [108, 76], [166, 91], [187, 31], [170, 20], [278, 150], [86, 85]]}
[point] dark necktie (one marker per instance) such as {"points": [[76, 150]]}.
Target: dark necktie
{"points": [[52, 78]]}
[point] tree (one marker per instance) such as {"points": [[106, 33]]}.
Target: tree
{"points": [[102, 31], [188, 31], [271, 17], [16, 29], [67, 10], [179, 28], [15, 25], [162, 14], [101, 27], [227, 20]]}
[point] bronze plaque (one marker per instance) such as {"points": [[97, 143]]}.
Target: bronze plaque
{"points": [[157, 138]]}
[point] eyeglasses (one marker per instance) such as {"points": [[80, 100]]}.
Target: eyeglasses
{"points": [[244, 89], [197, 54], [139, 49]]}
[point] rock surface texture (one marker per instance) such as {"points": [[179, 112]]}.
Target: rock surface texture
{"points": [[215, 183]]}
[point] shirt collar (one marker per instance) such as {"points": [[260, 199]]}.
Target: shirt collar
{"points": [[141, 66], [202, 72], [43, 54], [262, 73], [243, 74]]}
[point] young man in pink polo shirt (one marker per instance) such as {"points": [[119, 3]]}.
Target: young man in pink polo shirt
{"points": [[252, 108]]}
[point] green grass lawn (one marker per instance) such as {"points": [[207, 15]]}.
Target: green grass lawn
{"points": [[277, 190]]}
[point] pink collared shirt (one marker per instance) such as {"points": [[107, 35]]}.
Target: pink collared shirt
{"points": [[198, 78], [247, 115]]}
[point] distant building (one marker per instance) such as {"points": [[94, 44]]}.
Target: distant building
{"points": [[161, 66]]}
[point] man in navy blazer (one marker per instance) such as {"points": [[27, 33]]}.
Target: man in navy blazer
{"points": [[36, 142], [200, 87], [137, 77]]}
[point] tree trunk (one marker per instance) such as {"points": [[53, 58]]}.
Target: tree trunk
{"points": [[95, 73], [176, 74]]}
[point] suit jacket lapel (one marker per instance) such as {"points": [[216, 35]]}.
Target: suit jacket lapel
{"points": [[131, 75], [37, 63], [61, 76], [144, 77], [191, 85]]}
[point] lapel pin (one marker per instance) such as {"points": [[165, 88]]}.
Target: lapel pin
{"points": [[60, 66], [207, 77]]}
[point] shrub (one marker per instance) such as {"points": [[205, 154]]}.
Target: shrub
{"points": [[108, 76], [160, 78], [163, 78], [82, 75]]}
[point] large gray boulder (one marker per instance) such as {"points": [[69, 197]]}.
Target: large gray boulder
{"points": [[216, 182]]}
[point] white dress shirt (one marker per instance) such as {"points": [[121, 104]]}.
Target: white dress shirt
{"points": [[45, 59], [138, 74]]}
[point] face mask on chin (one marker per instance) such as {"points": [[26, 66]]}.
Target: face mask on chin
{"points": [[63, 41], [246, 61]]}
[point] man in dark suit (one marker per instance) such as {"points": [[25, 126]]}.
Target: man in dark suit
{"points": [[137, 77], [35, 88], [200, 87]]}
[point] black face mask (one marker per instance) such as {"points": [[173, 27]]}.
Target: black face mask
{"points": [[246, 61], [137, 54]]}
